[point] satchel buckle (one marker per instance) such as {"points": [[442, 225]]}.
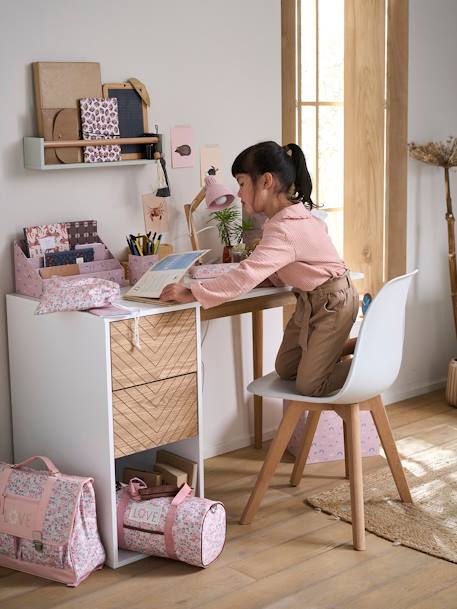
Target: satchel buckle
{"points": [[37, 541]]}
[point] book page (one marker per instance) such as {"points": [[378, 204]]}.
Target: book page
{"points": [[168, 270]]}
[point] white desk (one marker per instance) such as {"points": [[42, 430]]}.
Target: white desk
{"points": [[64, 372], [63, 389]]}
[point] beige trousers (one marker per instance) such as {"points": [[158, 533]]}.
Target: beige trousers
{"points": [[314, 338]]}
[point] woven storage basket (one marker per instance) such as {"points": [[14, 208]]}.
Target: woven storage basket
{"points": [[451, 385]]}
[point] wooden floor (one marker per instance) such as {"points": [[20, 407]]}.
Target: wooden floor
{"points": [[291, 556]]}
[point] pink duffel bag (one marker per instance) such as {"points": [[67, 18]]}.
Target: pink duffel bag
{"points": [[48, 524], [186, 528]]}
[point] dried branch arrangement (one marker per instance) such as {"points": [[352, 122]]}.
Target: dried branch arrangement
{"points": [[443, 154]]}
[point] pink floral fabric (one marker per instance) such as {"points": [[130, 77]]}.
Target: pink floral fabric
{"points": [[76, 295], [206, 271], [100, 120], [198, 530], [71, 543], [29, 282]]}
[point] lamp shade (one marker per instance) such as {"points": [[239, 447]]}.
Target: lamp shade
{"points": [[218, 196]]}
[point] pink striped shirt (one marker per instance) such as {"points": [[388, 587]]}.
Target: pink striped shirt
{"points": [[295, 250]]}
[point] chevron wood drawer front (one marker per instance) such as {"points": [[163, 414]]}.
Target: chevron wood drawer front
{"points": [[154, 414], [168, 348]]}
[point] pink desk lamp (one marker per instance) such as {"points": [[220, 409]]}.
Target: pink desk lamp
{"points": [[217, 197]]}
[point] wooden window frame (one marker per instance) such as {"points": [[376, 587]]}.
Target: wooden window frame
{"points": [[375, 148]]}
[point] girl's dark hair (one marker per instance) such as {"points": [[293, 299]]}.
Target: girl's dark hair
{"points": [[287, 163]]}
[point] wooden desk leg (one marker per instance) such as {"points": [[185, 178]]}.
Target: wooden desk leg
{"points": [[257, 348]]}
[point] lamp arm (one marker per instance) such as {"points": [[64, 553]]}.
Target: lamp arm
{"points": [[189, 210], [198, 200]]}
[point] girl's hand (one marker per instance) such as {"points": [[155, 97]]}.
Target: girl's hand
{"points": [[176, 292]]}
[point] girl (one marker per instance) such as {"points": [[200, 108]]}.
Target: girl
{"points": [[295, 250]]}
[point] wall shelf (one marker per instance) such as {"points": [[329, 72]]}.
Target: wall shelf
{"points": [[34, 156]]}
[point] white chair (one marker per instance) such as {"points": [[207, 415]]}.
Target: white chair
{"points": [[375, 366]]}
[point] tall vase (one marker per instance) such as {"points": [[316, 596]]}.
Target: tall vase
{"points": [[451, 245], [451, 385]]}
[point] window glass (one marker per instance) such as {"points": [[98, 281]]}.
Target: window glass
{"points": [[308, 50], [331, 50], [308, 141], [331, 156]]}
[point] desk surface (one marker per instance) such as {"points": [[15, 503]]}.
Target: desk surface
{"points": [[255, 300]]}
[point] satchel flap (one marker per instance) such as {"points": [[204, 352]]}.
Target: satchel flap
{"points": [[31, 505], [19, 517]]}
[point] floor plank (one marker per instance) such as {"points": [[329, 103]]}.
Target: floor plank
{"points": [[290, 556]]}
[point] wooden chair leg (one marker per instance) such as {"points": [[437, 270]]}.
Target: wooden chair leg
{"points": [[352, 418], [378, 412], [312, 421], [257, 354], [346, 460], [274, 454]]}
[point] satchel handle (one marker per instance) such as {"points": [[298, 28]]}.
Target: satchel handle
{"points": [[52, 469]]}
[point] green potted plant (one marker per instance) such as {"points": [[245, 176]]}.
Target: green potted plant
{"points": [[231, 228]]}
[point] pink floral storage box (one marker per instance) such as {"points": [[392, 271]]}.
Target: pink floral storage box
{"points": [[48, 524], [185, 528], [30, 283]]}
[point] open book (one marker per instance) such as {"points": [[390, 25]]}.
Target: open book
{"points": [[168, 270]]}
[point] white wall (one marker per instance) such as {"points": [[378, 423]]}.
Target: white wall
{"points": [[214, 65], [430, 339], [209, 63]]}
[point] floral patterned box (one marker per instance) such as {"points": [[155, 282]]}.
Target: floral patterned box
{"points": [[328, 442], [30, 283]]}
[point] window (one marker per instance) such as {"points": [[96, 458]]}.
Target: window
{"points": [[320, 105], [344, 100]]}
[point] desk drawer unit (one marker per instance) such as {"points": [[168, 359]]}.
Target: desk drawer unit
{"points": [[155, 387], [154, 414], [167, 349]]}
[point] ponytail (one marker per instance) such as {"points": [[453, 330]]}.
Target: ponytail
{"points": [[302, 185], [287, 163]]}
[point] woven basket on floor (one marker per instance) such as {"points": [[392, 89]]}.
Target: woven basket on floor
{"points": [[451, 385]]}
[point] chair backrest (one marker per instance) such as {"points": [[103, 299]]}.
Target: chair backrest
{"points": [[379, 348]]}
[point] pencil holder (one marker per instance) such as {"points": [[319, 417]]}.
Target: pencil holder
{"points": [[138, 265]]}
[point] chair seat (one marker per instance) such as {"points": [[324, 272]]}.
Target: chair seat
{"points": [[272, 386]]}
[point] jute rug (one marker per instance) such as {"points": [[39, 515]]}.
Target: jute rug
{"points": [[428, 525]]}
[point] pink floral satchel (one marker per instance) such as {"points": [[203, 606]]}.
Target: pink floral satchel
{"points": [[48, 524], [185, 528]]}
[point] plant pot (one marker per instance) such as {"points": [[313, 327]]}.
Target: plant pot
{"points": [[226, 254], [451, 385]]}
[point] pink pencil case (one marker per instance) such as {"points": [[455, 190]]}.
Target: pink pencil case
{"points": [[206, 271]]}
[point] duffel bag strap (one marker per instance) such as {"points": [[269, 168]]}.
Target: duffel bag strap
{"points": [[170, 547], [130, 491], [121, 507]]}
